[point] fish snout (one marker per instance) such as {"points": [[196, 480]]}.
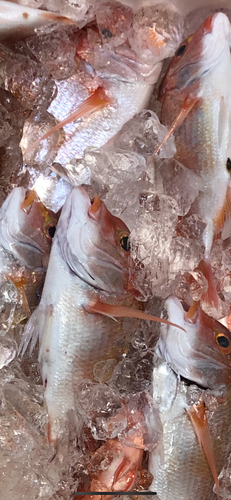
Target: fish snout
{"points": [[218, 24]]}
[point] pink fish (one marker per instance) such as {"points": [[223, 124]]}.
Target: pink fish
{"points": [[196, 106]]}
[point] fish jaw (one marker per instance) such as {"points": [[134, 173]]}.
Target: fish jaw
{"points": [[195, 355], [25, 233], [89, 243]]}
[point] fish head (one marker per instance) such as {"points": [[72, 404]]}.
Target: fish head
{"points": [[201, 354], [26, 229], [197, 55], [94, 243]]}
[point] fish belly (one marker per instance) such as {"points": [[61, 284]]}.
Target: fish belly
{"points": [[71, 340], [203, 140], [183, 471]]}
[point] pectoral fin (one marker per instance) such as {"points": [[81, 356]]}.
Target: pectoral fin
{"points": [[96, 101], [115, 311], [30, 334], [198, 417], [225, 213], [185, 110]]}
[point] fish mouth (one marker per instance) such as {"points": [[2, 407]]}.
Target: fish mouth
{"points": [[188, 359], [216, 37]]}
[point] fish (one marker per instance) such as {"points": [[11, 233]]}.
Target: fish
{"points": [[112, 84], [180, 467], [89, 266], [196, 107], [206, 345], [26, 229], [20, 21], [191, 382]]}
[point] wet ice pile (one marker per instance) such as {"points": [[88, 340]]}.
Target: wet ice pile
{"points": [[152, 196]]}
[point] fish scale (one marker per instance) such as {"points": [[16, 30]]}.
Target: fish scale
{"points": [[202, 72], [89, 260], [90, 338], [185, 474]]}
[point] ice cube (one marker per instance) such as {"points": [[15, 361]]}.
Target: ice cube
{"points": [[124, 200], [52, 189], [8, 350], [103, 370], [152, 236], [144, 429], [38, 123], [11, 116], [113, 21], [225, 481], [165, 384], [143, 133], [11, 166], [114, 166], [179, 182], [185, 255], [156, 32], [8, 304], [56, 52], [28, 81], [101, 409], [76, 9], [35, 4]]}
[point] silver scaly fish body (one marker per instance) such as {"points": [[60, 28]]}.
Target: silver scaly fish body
{"points": [[180, 468], [128, 98], [201, 355], [86, 258], [201, 71]]}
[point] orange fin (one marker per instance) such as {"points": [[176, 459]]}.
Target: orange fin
{"points": [[114, 311], [191, 312], [27, 203], [199, 420], [185, 110], [96, 101], [225, 212], [210, 296], [19, 283]]}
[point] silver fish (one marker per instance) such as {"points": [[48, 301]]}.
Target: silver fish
{"points": [[179, 467], [190, 414]]}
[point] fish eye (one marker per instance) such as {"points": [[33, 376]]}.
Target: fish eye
{"points": [[125, 243], [107, 33], [223, 343], [51, 231], [181, 50], [228, 164]]}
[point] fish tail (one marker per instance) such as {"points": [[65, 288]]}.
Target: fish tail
{"points": [[210, 297]]}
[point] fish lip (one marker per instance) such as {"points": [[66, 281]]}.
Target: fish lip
{"points": [[223, 22]]}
